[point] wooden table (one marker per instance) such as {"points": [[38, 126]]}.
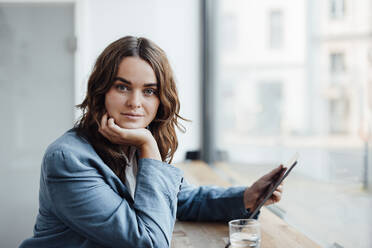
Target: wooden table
{"points": [[275, 232]]}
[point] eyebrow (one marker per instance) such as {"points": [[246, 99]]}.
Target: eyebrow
{"points": [[128, 82]]}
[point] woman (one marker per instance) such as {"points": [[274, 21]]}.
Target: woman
{"points": [[108, 182]]}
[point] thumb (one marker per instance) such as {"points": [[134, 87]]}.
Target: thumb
{"points": [[274, 172]]}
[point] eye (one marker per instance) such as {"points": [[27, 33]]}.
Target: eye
{"points": [[150, 91], [121, 87]]}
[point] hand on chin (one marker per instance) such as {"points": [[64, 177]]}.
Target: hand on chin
{"points": [[125, 133]]}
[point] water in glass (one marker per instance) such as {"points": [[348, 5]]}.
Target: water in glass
{"points": [[245, 240]]}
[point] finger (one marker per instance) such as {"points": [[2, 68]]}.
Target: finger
{"points": [[280, 188], [274, 171], [109, 130], [276, 196], [103, 121], [112, 126], [103, 129], [111, 123]]}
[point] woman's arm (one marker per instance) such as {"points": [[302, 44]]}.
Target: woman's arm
{"points": [[88, 205], [224, 204], [210, 203]]}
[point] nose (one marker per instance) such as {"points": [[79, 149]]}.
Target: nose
{"points": [[134, 99]]}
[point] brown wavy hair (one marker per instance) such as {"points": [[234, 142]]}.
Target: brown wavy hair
{"points": [[101, 80]]}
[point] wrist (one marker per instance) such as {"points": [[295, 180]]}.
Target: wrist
{"points": [[248, 199], [150, 150]]}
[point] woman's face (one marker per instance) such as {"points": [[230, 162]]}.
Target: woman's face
{"points": [[133, 98]]}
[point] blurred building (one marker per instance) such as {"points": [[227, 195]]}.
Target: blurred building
{"points": [[341, 77], [263, 58], [289, 61], [341, 41], [296, 75]]}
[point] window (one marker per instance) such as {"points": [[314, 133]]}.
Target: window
{"points": [[337, 9], [270, 103], [276, 29], [337, 63], [310, 99], [229, 32], [339, 116]]}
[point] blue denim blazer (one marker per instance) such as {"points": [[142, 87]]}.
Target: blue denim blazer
{"points": [[82, 203]]}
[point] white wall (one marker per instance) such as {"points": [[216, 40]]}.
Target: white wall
{"points": [[173, 25]]}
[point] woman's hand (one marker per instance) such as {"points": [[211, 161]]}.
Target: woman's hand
{"points": [[121, 136], [253, 195], [141, 137]]}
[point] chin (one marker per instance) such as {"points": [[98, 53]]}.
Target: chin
{"points": [[127, 125]]}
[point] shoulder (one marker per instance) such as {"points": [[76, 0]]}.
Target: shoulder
{"points": [[68, 140], [70, 152], [70, 143]]}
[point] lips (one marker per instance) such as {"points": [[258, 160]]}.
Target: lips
{"points": [[133, 116]]}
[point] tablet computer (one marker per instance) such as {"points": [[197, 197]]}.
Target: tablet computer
{"points": [[276, 182]]}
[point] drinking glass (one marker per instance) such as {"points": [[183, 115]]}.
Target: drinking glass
{"points": [[245, 233]]}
